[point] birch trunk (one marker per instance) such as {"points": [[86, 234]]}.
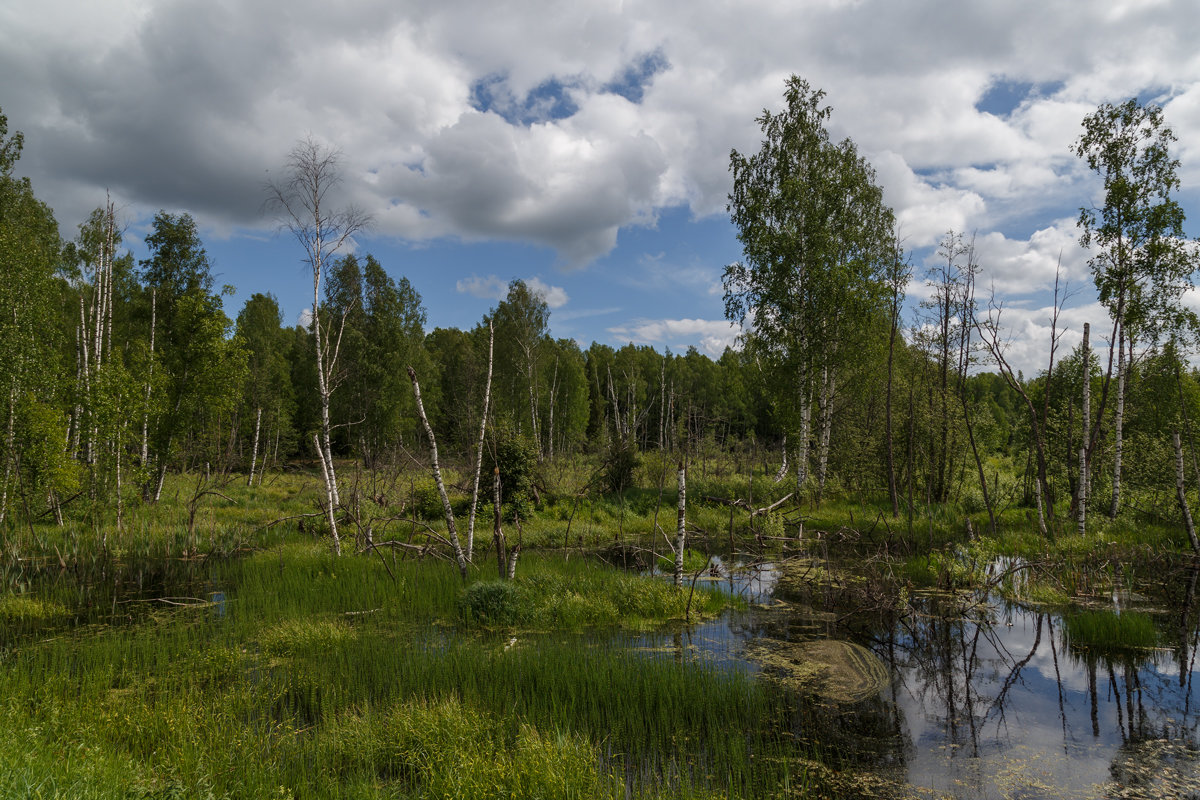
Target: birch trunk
{"points": [[487, 399], [513, 555], [149, 378], [1118, 425], [120, 501], [1082, 489], [681, 527], [802, 447], [826, 421], [553, 398], [1181, 494], [783, 467], [254, 451], [612, 394], [1041, 514], [662, 402], [459, 554], [887, 425], [330, 505], [9, 441], [497, 531]]}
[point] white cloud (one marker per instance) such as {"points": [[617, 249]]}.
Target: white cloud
{"points": [[555, 296], [490, 288], [187, 104], [711, 336], [493, 287]]}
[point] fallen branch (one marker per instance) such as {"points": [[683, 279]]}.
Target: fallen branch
{"points": [[754, 512]]}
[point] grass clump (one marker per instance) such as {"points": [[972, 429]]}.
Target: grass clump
{"points": [[304, 636], [1106, 631], [441, 748], [493, 603], [583, 595], [27, 610]]}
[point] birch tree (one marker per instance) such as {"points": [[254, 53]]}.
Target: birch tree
{"points": [[815, 236], [1140, 263], [302, 199], [29, 254]]}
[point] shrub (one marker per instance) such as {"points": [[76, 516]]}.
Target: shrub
{"points": [[492, 603]]}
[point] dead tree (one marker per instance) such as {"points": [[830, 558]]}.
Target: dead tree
{"points": [[681, 528], [487, 397], [301, 201], [1181, 493], [497, 531], [459, 555]]}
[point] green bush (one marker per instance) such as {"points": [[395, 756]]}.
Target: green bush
{"points": [[516, 457], [492, 603], [620, 462]]}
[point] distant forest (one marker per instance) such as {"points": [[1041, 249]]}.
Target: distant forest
{"points": [[117, 371]]}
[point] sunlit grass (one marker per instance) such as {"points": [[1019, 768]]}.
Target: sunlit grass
{"points": [[293, 673]]}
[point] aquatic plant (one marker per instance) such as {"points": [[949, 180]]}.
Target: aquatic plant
{"points": [[1106, 631]]}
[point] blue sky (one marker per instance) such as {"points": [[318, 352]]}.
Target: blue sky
{"points": [[585, 148]]}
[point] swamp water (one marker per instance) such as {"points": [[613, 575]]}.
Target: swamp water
{"points": [[972, 696], [967, 697]]}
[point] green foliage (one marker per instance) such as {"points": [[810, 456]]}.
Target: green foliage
{"points": [[515, 455], [48, 466], [492, 603], [586, 595], [620, 462], [30, 254]]}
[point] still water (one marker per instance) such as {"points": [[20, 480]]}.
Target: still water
{"points": [[983, 698]]}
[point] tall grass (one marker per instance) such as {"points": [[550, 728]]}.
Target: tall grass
{"points": [[313, 676]]}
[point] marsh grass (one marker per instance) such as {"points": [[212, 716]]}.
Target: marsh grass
{"points": [[316, 676], [1106, 632]]}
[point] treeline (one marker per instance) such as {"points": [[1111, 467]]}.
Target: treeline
{"points": [[118, 371]]}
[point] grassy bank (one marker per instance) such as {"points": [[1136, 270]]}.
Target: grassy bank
{"points": [[291, 673]]}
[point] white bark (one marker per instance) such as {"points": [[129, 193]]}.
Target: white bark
{"points": [[487, 399], [1082, 488], [783, 468], [254, 452], [9, 440], [681, 528], [312, 171], [1118, 425], [553, 398], [1181, 494], [149, 378], [497, 531], [1041, 514], [330, 502], [612, 395], [459, 555], [802, 448], [826, 421]]}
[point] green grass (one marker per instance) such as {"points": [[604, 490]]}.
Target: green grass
{"points": [[1108, 632], [342, 677]]}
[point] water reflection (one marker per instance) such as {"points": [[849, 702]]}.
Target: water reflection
{"points": [[992, 702]]}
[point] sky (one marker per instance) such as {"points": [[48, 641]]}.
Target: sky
{"points": [[584, 147]]}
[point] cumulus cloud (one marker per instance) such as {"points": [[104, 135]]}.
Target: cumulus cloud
{"points": [[516, 122], [493, 287], [490, 288], [1025, 333], [711, 335], [555, 296]]}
